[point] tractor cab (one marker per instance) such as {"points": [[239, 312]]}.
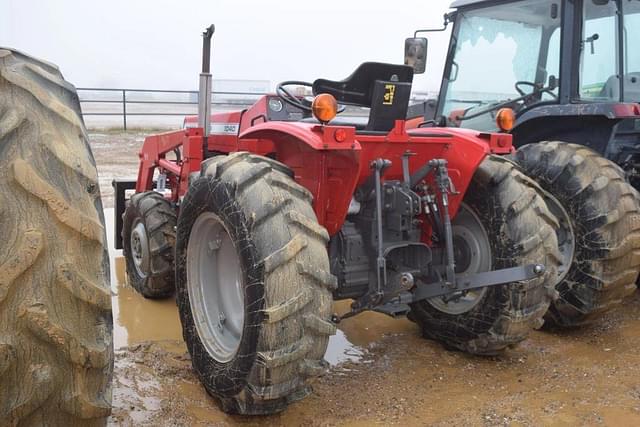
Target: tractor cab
{"points": [[533, 56]]}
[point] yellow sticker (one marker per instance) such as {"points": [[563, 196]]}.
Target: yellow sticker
{"points": [[389, 92]]}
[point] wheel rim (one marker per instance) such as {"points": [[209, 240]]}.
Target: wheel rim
{"points": [[565, 234], [215, 287], [140, 248], [472, 253]]}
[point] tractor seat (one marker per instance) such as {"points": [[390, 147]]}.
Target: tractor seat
{"points": [[384, 88]]}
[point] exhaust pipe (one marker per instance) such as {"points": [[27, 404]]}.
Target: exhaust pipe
{"points": [[204, 95]]}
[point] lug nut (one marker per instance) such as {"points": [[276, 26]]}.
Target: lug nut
{"points": [[539, 269]]}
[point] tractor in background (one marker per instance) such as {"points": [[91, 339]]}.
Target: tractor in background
{"points": [[561, 77], [259, 218]]}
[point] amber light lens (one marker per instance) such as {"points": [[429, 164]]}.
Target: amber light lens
{"points": [[505, 119], [324, 107]]}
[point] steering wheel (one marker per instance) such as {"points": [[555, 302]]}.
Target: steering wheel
{"points": [[302, 102], [536, 88]]}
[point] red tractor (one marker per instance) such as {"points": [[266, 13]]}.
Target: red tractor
{"points": [[263, 217]]}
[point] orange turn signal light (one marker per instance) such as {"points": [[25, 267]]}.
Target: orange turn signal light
{"points": [[505, 119], [340, 135], [324, 107]]}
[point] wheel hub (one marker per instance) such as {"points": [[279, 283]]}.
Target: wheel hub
{"points": [[462, 253], [140, 249], [472, 254], [215, 287]]}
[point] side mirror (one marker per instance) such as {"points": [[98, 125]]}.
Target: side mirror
{"points": [[415, 53]]}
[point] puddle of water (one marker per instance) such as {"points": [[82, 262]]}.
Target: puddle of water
{"points": [[368, 328], [137, 319], [340, 350]]}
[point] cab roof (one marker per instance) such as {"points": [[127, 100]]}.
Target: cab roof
{"points": [[462, 3]]}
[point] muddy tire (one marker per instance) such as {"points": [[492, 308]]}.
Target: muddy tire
{"points": [[283, 281], [520, 230], [148, 244], [604, 215], [56, 357]]}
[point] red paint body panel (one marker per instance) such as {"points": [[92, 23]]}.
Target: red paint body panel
{"points": [[327, 168], [330, 169]]}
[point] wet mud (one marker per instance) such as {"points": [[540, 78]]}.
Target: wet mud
{"points": [[382, 371], [392, 375]]}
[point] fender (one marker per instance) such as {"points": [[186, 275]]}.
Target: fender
{"points": [[332, 170], [324, 159], [592, 125]]}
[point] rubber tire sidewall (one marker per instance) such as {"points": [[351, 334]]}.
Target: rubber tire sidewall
{"points": [[209, 194], [481, 318], [128, 219], [583, 291], [521, 231], [155, 285]]}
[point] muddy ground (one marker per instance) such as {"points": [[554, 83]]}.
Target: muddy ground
{"points": [[382, 371]]}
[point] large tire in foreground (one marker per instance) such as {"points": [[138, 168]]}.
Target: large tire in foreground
{"points": [[518, 230], [56, 357], [253, 284], [148, 242], [604, 217]]}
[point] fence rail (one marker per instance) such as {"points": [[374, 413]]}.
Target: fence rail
{"points": [[126, 103]]}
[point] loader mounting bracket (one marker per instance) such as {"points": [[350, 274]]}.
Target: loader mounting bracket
{"points": [[120, 186]]}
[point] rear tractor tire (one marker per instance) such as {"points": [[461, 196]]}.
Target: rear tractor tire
{"points": [[599, 228], [503, 222], [148, 242], [253, 284], [56, 350]]}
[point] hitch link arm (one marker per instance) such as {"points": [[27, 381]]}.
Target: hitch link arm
{"points": [[379, 166], [479, 280], [444, 183]]}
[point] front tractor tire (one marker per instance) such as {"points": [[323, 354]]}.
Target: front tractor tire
{"points": [[503, 222], [600, 223], [56, 350], [253, 284], [148, 237]]}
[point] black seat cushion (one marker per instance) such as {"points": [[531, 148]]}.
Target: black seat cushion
{"points": [[357, 89]]}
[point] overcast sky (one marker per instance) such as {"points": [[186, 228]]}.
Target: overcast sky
{"points": [[156, 44]]}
